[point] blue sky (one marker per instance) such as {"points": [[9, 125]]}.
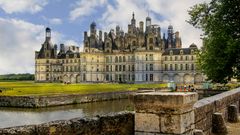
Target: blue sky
{"points": [[22, 24]]}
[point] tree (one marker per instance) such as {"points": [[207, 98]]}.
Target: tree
{"points": [[219, 58]]}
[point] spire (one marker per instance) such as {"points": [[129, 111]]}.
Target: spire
{"points": [[133, 21]]}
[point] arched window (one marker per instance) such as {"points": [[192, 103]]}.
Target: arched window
{"points": [[116, 59], [120, 58]]}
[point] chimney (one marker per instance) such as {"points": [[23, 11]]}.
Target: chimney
{"points": [[100, 35]]}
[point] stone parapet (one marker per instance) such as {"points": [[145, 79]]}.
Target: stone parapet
{"points": [[113, 124], [164, 112]]}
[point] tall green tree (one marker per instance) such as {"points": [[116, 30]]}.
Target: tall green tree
{"points": [[219, 58]]}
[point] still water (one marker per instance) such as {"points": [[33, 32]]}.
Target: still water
{"points": [[10, 117]]}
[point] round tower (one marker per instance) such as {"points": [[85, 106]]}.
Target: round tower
{"points": [[48, 33]]}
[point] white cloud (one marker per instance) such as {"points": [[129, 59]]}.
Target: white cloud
{"points": [[85, 8], [171, 12], [19, 41], [15, 6], [55, 21]]}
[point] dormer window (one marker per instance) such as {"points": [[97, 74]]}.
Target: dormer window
{"points": [[181, 52], [192, 51]]}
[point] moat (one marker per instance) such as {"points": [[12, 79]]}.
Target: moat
{"points": [[10, 117]]}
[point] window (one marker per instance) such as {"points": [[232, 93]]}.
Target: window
{"points": [[107, 77], [151, 77], [186, 58], [146, 77], [123, 67], [132, 67], [186, 66], [116, 68], [116, 59], [120, 59], [192, 66], [133, 77], [181, 52], [107, 59], [181, 67], [151, 57], [151, 67], [146, 57], [171, 58], [146, 67], [171, 67], [108, 45], [175, 57], [124, 59], [192, 57], [134, 43], [106, 68], [166, 67], [181, 57], [176, 67], [166, 58], [120, 67], [151, 48], [151, 40]]}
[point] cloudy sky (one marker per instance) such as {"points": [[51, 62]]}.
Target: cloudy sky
{"points": [[22, 24]]}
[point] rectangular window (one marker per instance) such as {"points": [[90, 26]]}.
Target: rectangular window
{"points": [[151, 77], [123, 67], [132, 67], [151, 67], [146, 77]]}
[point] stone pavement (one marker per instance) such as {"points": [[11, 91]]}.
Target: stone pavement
{"points": [[233, 128]]}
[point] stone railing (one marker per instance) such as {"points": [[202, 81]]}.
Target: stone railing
{"points": [[178, 113], [207, 108], [114, 124]]}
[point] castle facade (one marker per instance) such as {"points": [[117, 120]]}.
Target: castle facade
{"points": [[142, 55]]}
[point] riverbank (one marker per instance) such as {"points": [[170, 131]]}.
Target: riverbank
{"points": [[57, 100]]}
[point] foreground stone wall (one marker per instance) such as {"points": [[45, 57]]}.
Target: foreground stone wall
{"points": [[205, 108], [55, 100], [114, 124]]}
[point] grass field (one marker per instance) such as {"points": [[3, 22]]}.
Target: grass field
{"points": [[30, 88]]}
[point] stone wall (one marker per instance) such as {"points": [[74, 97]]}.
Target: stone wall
{"points": [[114, 124], [203, 93], [205, 108], [55, 100]]}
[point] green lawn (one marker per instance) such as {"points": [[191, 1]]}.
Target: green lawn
{"points": [[30, 88]]}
